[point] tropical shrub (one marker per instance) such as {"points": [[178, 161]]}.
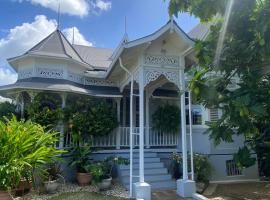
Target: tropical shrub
{"points": [[25, 147], [90, 117], [166, 118], [202, 167], [81, 157], [45, 110], [7, 109]]}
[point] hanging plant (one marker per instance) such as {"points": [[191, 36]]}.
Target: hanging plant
{"points": [[45, 110], [90, 116], [166, 119]]}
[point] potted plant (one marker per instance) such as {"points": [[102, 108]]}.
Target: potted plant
{"points": [[51, 183], [175, 167], [25, 183], [80, 160], [102, 171]]}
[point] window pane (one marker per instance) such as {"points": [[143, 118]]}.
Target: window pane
{"points": [[196, 116]]}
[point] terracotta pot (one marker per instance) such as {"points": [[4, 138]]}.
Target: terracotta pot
{"points": [[23, 187], [84, 178], [51, 186], [4, 195], [105, 183]]}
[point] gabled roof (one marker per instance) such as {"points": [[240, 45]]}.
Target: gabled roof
{"points": [[171, 25], [94, 56], [54, 45]]}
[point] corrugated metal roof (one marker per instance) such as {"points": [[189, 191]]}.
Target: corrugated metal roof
{"points": [[60, 85], [56, 45], [200, 31], [98, 57]]}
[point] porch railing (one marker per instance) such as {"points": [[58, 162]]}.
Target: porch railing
{"points": [[119, 138]]}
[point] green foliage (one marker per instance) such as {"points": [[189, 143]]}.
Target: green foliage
{"points": [[245, 57], [53, 170], [203, 9], [166, 118], [90, 116], [7, 109], [103, 169], [25, 147], [243, 158], [81, 157], [202, 166], [45, 110]]}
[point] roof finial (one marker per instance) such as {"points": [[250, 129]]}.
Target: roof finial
{"points": [[125, 35], [58, 16], [73, 35]]}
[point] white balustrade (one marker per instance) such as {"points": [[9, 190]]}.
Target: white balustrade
{"points": [[156, 139]]}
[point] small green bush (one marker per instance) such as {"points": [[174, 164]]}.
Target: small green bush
{"points": [[202, 166]]}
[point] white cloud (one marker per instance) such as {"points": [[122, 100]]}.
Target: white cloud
{"points": [[23, 37], [78, 37], [73, 7], [7, 76], [103, 5]]}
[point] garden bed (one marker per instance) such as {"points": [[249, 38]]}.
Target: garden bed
{"points": [[117, 191]]}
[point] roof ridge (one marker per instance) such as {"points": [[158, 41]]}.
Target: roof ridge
{"points": [[94, 47], [61, 34]]}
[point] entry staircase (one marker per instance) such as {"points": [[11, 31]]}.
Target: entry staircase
{"points": [[155, 173]]}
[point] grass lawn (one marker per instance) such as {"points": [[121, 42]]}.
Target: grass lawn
{"points": [[84, 196]]}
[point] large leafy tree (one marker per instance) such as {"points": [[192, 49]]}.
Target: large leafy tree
{"points": [[245, 58]]}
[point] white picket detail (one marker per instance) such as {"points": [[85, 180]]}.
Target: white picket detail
{"points": [[156, 139]]}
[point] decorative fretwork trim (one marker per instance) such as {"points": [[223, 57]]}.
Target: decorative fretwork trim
{"points": [[161, 60], [153, 74]]}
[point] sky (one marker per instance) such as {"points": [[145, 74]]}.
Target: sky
{"points": [[100, 23]]}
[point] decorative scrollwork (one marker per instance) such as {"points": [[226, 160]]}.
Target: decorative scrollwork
{"points": [[154, 74], [100, 82], [50, 73], [161, 60]]}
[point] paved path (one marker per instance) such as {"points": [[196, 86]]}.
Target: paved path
{"points": [[166, 195]]}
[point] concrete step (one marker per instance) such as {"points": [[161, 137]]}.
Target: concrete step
{"points": [[148, 178], [148, 160], [146, 166], [136, 155], [146, 171], [163, 185], [159, 185]]}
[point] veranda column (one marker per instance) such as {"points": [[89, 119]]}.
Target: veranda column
{"points": [[124, 111], [147, 130], [118, 136], [185, 187], [62, 132], [142, 189]]}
